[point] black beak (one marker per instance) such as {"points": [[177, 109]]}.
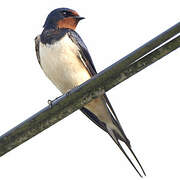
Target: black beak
{"points": [[79, 18]]}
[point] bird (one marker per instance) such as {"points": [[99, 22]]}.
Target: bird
{"points": [[65, 60]]}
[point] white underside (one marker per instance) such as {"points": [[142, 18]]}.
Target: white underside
{"points": [[61, 64]]}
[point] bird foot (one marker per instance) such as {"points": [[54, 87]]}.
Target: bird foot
{"points": [[50, 102]]}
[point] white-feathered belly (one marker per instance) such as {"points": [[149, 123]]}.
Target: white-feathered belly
{"points": [[61, 64]]}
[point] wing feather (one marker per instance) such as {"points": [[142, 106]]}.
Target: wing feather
{"points": [[87, 60], [37, 41]]}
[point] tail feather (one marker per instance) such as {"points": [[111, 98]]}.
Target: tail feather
{"points": [[137, 160], [120, 135], [117, 135], [116, 139]]}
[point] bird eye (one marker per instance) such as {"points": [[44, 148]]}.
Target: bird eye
{"points": [[64, 13], [67, 13]]}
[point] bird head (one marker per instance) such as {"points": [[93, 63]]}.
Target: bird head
{"points": [[62, 18]]}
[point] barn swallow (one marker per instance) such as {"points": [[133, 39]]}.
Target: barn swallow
{"points": [[65, 60]]}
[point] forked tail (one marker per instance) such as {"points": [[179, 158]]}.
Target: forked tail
{"points": [[116, 139]]}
